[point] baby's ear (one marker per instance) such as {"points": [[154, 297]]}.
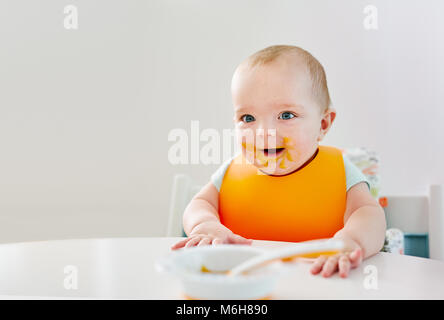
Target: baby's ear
{"points": [[326, 122], [333, 114]]}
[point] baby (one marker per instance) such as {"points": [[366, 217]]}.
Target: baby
{"points": [[283, 185]]}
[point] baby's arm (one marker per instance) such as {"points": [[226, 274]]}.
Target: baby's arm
{"points": [[363, 232], [202, 224], [364, 220]]}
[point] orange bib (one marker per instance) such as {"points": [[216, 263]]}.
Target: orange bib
{"points": [[304, 205]]}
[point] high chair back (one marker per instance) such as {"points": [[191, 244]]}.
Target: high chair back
{"points": [[183, 191]]}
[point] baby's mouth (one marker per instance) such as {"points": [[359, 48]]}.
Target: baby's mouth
{"points": [[273, 152]]}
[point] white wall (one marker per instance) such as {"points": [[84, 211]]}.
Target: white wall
{"points": [[85, 114]]}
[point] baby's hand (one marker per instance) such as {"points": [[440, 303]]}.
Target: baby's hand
{"points": [[202, 240], [209, 233], [342, 262]]}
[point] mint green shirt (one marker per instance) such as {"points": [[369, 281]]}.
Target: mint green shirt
{"points": [[353, 174]]}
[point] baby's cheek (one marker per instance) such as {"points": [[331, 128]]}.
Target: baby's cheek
{"points": [[245, 137], [299, 148]]}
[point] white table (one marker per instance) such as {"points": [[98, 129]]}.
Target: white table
{"points": [[123, 268]]}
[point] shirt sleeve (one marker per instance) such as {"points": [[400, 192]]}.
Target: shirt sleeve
{"points": [[218, 175], [353, 174]]}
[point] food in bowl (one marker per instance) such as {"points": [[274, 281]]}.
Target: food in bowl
{"points": [[203, 272]]}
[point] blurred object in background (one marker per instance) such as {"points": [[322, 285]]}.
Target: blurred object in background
{"points": [[416, 244], [368, 162], [407, 217], [394, 241], [409, 214], [436, 221]]}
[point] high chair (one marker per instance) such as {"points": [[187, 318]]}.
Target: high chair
{"points": [[183, 191]]}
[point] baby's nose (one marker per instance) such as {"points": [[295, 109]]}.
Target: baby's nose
{"points": [[270, 132], [266, 138]]}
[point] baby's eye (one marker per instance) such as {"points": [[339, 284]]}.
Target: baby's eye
{"points": [[247, 118], [287, 115]]}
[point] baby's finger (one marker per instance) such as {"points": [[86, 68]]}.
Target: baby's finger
{"points": [[317, 265], [217, 241], [235, 238], [356, 258], [344, 266], [193, 241], [180, 244], [330, 266], [204, 242]]}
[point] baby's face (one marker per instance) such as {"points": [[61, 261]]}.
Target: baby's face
{"points": [[277, 119]]}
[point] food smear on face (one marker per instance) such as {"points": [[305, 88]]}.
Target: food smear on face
{"points": [[289, 158], [287, 146], [268, 159], [282, 164], [249, 146]]}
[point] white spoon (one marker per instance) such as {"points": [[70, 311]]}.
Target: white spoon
{"points": [[324, 247]]}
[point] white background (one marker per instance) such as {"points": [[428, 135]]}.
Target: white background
{"points": [[85, 114]]}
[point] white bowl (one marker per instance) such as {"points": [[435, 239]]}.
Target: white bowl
{"points": [[186, 264]]}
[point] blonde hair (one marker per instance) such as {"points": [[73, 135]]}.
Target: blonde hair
{"points": [[314, 68]]}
